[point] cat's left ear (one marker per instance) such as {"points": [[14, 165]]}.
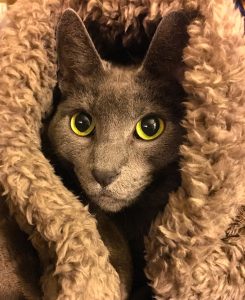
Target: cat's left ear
{"points": [[78, 60], [164, 57]]}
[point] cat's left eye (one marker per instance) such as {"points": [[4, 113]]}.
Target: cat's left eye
{"points": [[149, 128], [82, 124]]}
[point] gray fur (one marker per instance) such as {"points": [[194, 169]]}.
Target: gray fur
{"points": [[117, 103], [117, 98]]}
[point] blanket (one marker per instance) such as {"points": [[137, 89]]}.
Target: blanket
{"points": [[195, 248]]}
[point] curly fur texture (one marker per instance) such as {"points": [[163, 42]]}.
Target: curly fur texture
{"points": [[195, 250], [35, 195]]}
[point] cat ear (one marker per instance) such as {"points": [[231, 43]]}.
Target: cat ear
{"points": [[164, 57], [78, 60]]}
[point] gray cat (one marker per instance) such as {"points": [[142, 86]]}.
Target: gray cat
{"points": [[117, 130]]}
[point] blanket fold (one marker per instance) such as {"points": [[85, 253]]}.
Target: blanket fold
{"points": [[195, 249]]}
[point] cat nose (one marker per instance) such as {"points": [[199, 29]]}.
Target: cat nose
{"points": [[104, 178]]}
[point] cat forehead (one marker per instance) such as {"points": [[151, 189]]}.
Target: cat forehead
{"points": [[124, 93], [118, 81], [119, 94]]}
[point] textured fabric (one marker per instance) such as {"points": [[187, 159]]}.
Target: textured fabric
{"points": [[195, 249]]}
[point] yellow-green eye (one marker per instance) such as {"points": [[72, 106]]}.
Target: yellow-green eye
{"points": [[149, 128], [82, 124]]}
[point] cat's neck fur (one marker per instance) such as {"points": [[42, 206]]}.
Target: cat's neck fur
{"points": [[136, 219]]}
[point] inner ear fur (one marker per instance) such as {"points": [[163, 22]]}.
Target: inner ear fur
{"points": [[164, 56], [78, 60]]}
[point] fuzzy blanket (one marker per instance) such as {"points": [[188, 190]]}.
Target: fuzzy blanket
{"points": [[195, 249]]}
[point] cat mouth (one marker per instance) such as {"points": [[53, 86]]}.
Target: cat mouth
{"points": [[107, 202]]}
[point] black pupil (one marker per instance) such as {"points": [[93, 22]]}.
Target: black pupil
{"points": [[83, 122], [150, 126]]}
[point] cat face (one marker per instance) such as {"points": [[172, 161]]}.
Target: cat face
{"points": [[118, 127]]}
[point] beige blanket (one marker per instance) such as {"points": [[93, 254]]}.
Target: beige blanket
{"points": [[195, 249]]}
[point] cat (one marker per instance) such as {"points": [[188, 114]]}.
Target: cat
{"points": [[116, 130]]}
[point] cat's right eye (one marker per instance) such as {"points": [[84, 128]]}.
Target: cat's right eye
{"points": [[82, 124]]}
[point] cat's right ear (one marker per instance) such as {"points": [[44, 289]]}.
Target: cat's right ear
{"points": [[78, 60]]}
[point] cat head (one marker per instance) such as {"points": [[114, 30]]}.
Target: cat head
{"points": [[118, 127]]}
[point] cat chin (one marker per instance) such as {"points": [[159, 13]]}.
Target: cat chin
{"points": [[110, 204]]}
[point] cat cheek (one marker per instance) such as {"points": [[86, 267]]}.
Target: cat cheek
{"points": [[131, 184], [88, 184]]}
